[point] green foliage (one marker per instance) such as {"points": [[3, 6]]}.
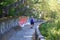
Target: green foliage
{"points": [[11, 11], [7, 2], [50, 9], [50, 30], [53, 15]]}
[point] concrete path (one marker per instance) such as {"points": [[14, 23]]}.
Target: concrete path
{"points": [[26, 33]]}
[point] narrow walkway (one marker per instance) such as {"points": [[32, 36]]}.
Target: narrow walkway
{"points": [[26, 33]]}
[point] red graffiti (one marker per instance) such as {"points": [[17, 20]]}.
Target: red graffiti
{"points": [[22, 20]]}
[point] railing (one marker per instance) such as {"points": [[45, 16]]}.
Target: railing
{"points": [[38, 35]]}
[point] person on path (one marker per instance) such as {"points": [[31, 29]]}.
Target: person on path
{"points": [[32, 22]]}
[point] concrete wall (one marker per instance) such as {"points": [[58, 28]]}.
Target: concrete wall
{"points": [[8, 23]]}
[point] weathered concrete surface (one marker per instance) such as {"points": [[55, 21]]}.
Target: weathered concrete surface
{"points": [[6, 24], [25, 33]]}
